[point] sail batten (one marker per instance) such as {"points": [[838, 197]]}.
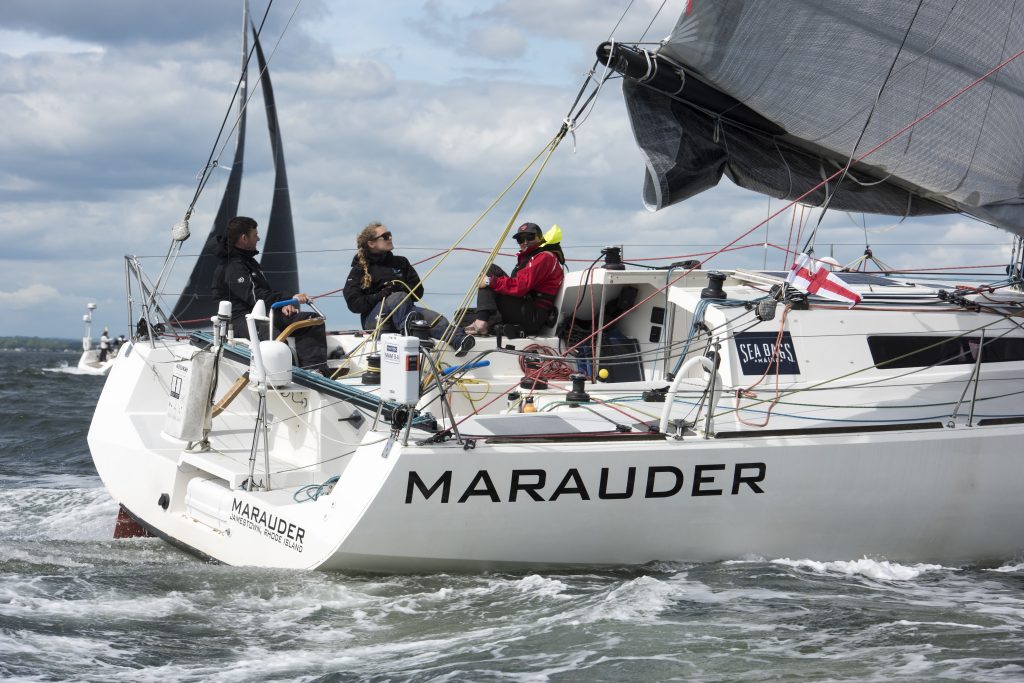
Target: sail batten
{"points": [[813, 69]]}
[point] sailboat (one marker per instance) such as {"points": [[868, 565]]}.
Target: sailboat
{"points": [[89, 362], [680, 414]]}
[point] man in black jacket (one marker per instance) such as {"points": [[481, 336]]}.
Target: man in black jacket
{"points": [[240, 280]]}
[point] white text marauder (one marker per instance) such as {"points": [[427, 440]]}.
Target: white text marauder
{"points": [[662, 481]]}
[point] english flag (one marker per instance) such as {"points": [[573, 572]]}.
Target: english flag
{"points": [[814, 278]]}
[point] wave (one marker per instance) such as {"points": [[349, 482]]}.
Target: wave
{"points": [[882, 570], [63, 511]]}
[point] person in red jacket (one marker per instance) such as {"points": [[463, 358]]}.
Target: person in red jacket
{"points": [[527, 296]]}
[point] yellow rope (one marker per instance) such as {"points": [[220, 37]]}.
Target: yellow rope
{"points": [[550, 149]]}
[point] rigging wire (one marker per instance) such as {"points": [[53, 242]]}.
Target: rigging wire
{"points": [[654, 18], [831, 380], [259, 79], [909, 126], [617, 23], [180, 231], [210, 162], [853, 152]]}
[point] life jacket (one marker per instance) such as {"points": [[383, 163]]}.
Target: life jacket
{"points": [[555, 249]]}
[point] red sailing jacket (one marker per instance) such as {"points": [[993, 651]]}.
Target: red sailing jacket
{"points": [[538, 271]]}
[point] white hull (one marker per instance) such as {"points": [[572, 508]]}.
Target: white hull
{"points": [[89, 362], [811, 504], [920, 490], [669, 414]]}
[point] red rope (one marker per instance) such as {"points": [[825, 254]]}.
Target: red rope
{"points": [[175, 321], [863, 156], [548, 369]]}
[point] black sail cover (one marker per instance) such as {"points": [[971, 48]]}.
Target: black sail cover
{"points": [[776, 93]]}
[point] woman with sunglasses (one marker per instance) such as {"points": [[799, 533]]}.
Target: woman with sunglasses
{"points": [[527, 296], [383, 288]]}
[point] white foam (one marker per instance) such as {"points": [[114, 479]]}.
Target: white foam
{"points": [[74, 370], [42, 653], [951, 624], [542, 586], [1008, 569], [34, 599], [58, 513], [882, 570], [641, 599]]}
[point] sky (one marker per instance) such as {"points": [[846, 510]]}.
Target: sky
{"points": [[414, 113]]}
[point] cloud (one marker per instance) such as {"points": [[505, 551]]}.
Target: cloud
{"points": [[497, 42], [417, 115], [584, 20], [116, 21], [30, 297]]}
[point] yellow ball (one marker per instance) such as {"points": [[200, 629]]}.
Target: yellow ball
{"points": [[602, 373]]}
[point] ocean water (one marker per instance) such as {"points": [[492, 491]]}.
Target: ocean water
{"points": [[77, 605]]}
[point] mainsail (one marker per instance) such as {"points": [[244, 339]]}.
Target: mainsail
{"points": [[278, 262], [197, 303], [780, 95]]}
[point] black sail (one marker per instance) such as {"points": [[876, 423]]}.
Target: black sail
{"points": [[197, 304], [778, 95], [278, 261]]}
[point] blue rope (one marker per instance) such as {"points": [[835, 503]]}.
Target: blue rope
{"points": [[314, 491], [698, 318]]}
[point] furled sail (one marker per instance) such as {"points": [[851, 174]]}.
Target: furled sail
{"points": [[779, 95], [197, 303]]}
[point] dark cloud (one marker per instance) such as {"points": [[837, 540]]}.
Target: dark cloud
{"points": [[116, 22], [112, 22]]}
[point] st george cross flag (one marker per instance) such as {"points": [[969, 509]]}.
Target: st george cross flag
{"points": [[814, 278]]}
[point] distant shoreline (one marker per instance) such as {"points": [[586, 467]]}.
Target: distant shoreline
{"points": [[23, 344]]}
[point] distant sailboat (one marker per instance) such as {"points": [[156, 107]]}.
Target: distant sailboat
{"points": [[89, 362], [197, 304]]}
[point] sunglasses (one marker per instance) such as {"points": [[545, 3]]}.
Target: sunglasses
{"points": [[525, 237], [382, 236]]}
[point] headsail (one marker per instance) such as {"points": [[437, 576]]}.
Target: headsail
{"points": [[775, 95], [197, 304]]}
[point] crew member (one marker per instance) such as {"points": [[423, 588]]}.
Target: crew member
{"points": [[527, 296], [383, 289], [240, 280]]}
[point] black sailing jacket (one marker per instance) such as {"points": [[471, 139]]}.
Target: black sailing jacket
{"points": [[386, 271], [240, 280]]}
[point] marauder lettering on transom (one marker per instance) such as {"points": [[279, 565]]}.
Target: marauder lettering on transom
{"points": [[661, 481], [268, 524]]}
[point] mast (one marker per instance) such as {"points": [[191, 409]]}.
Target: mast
{"points": [[197, 304], [278, 261], [87, 319]]}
